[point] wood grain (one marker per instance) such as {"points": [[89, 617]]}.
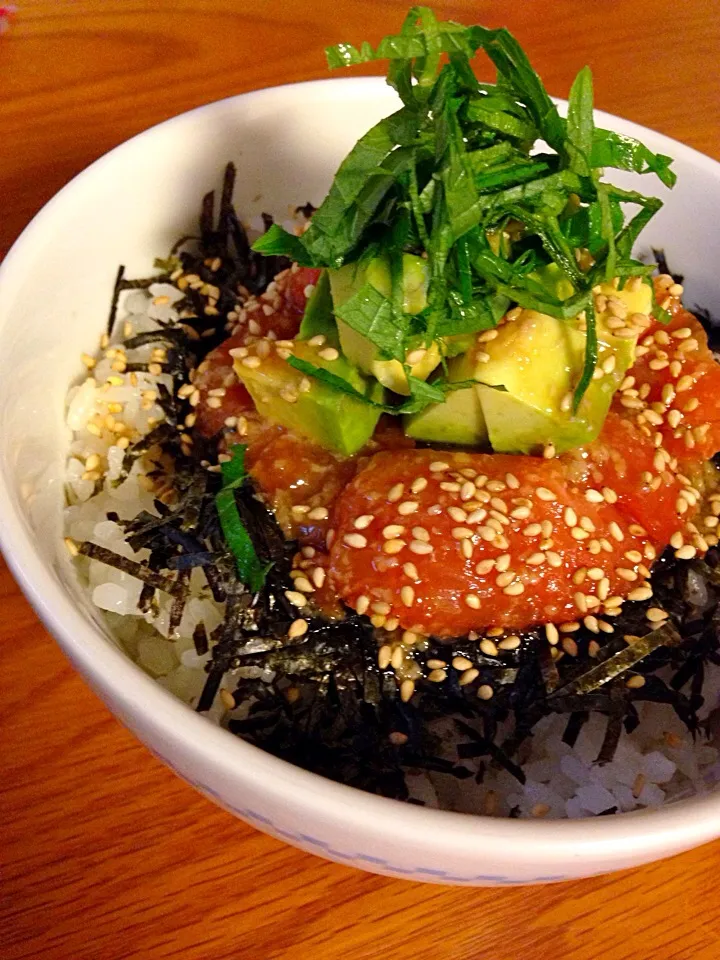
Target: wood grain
{"points": [[106, 854]]}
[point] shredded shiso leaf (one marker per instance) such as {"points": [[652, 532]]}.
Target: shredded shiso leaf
{"points": [[250, 568], [487, 181]]}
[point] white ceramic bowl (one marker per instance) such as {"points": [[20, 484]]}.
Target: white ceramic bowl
{"points": [[54, 292]]}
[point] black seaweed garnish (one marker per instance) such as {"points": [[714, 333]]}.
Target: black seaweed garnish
{"points": [[323, 702], [661, 261], [709, 322]]}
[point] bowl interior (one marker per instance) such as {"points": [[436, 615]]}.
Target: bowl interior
{"points": [[130, 206]]}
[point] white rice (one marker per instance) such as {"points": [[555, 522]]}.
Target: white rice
{"points": [[657, 763]]}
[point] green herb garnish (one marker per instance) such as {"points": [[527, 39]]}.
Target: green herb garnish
{"points": [[455, 174], [250, 568], [422, 394]]}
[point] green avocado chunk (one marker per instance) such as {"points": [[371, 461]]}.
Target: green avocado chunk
{"points": [[538, 361], [459, 420], [308, 406], [347, 281]]}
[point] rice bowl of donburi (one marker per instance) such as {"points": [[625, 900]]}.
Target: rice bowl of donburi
{"points": [[539, 646]]}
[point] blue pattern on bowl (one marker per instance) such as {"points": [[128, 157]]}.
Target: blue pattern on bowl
{"points": [[355, 859]]}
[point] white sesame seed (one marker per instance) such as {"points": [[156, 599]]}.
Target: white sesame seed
{"points": [[594, 496], [510, 643], [488, 648], [461, 663], [297, 629], [419, 484], [551, 632], [570, 517], [362, 522], [396, 492], [467, 490], [407, 688], [420, 548], [514, 589], [392, 531], [407, 507], [615, 531], [554, 559], [436, 664], [496, 486], [684, 383], [544, 494], [570, 646], [362, 603], [297, 599], [439, 466], [355, 540], [450, 486], [461, 533], [391, 547], [485, 691], [686, 552], [407, 595], [384, 656], [472, 601]]}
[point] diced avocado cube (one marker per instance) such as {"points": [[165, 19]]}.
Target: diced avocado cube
{"points": [[459, 420], [335, 420], [538, 360], [347, 281]]}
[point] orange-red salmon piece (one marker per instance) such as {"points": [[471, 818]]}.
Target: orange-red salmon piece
{"points": [[277, 312], [444, 543]]}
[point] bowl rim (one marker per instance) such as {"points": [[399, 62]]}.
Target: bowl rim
{"points": [[640, 833]]}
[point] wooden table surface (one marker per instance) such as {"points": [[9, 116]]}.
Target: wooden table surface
{"points": [[105, 853]]}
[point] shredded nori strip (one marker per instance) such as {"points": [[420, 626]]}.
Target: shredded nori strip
{"points": [[618, 663], [117, 289], [323, 703], [176, 588], [659, 256], [200, 639]]}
